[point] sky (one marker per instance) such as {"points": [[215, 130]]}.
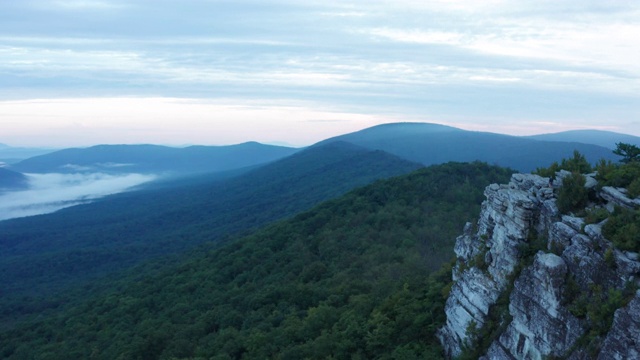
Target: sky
{"points": [[86, 72]]}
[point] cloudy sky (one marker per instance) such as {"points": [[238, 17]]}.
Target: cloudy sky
{"points": [[83, 72]]}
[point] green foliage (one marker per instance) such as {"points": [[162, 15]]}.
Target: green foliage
{"points": [[578, 163], [479, 261], [604, 170], [596, 215], [623, 229], [549, 171], [572, 194], [626, 174], [609, 258], [620, 175], [571, 291], [633, 190], [598, 307], [45, 255], [629, 152], [353, 278]]}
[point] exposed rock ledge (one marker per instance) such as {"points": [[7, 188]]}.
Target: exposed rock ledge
{"points": [[540, 324]]}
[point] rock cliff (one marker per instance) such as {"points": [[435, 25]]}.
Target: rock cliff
{"points": [[530, 283]]}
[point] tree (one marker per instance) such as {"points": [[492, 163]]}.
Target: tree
{"points": [[572, 195], [629, 152], [578, 163]]}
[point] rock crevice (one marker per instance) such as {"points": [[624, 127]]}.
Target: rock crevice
{"points": [[541, 319]]}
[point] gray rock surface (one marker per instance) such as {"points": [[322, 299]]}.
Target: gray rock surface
{"points": [[540, 324], [623, 341], [467, 306], [508, 216], [617, 196]]}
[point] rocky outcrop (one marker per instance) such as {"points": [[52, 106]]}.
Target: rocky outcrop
{"points": [[468, 308], [508, 216], [544, 317], [618, 196], [541, 325], [623, 341]]}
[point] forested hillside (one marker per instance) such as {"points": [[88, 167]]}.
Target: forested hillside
{"points": [[351, 278], [44, 255]]}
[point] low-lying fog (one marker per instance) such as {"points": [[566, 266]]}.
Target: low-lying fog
{"points": [[51, 192]]}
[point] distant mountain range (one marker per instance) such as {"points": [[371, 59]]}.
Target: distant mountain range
{"points": [[434, 144], [153, 159], [419, 142], [602, 138], [10, 154]]}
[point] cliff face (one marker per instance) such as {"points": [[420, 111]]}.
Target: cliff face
{"points": [[532, 284]]}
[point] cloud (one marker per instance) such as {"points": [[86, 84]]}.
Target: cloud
{"points": [[52, 192], [417, 60], [85, 4]]}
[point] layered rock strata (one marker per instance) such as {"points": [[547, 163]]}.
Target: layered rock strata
{"points": [[541, 321]]}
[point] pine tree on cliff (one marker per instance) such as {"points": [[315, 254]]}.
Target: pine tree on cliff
{"points": [[629, 152]]}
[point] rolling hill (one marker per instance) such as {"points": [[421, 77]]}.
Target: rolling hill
{"points": [[351, 278], [44, 254], [11, 180], [153, 159], [602, 138], [435, 144]]}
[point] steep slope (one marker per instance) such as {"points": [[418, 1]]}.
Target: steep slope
{"points": [[532, 283], [11, 180], [602, 138], [154, 158], [347, 279], [434, 144], [43, 254]]}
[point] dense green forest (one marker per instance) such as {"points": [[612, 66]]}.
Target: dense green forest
{"points": [[44, 255], [356, 277]]}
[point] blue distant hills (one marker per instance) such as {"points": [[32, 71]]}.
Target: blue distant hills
{"points": [[423, 143], [153, 159]]}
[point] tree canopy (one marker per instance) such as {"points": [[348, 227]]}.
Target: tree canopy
{"points": [[628, 152], [355, 277]]}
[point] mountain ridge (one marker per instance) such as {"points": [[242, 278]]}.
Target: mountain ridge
{"points": [[12, 180], [429, 144], [147, 158], [602, 138]]}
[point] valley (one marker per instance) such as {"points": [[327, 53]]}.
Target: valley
{"points": [[317, 251]]}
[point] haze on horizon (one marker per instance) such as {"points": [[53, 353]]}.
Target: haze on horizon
{"points": [[85, 72]]}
